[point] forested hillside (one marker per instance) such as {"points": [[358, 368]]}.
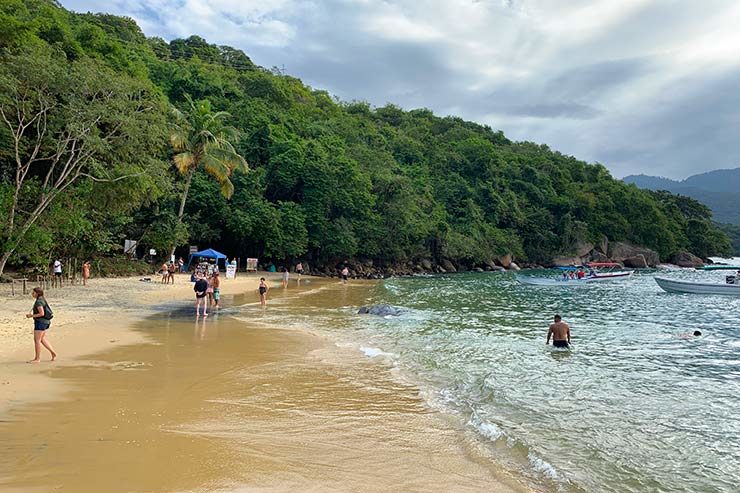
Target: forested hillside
{"points": [[718, 189], [86, 159]]}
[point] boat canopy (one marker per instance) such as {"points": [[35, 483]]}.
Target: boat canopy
{"points": [[603, 264], [570, 267]]}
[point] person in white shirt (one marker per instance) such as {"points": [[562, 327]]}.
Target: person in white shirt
{"points": [[57, 273]]}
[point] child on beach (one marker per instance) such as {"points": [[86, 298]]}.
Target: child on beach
{"points": [[263, 289], [209, 291], [41, 315], [200, 288], [299, 271], [286, 276], [345, 274]]}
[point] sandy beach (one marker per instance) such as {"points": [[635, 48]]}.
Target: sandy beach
{"points": [[145, 397]]}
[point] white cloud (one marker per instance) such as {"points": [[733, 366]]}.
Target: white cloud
{"points": [[616, 82]]}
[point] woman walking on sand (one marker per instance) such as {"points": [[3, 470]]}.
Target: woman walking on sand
{"points": [[41, 315], [263, 289], [85, 272]]}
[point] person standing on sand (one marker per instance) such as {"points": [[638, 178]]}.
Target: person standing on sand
{"points": [[171, 273], [41, 315], [216, 284], [560, 332], [181, 265], [286, 277], [165, 270], [57, 273], [209, 291], [85, 272], [263, 289], [299, 270], [200, 288], [345, 274]]}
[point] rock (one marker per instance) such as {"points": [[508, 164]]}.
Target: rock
{"points": [[498, 268], [583, 248], [621, 251], [636, 262], [448, 266], [603, 246], [505, 261], [597, 256], [513, 266], [686, 259], [478, 269], [566, 261], [427, 264], [381, 310]]}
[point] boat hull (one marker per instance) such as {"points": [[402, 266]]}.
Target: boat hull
{"points": [[600, 277], [675, 286]]}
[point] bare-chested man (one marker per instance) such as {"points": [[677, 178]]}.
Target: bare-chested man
{"points": [[560, 332]]}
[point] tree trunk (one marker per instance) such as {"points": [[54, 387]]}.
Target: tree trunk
{"points": [[181, 211], [4, 260]]}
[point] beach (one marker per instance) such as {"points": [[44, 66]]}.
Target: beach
{"points": [[145, 397]]}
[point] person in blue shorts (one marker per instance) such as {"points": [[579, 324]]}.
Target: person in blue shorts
{"points": [[41, 315]]}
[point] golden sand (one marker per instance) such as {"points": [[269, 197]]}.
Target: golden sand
{"points": [[232, 404]]}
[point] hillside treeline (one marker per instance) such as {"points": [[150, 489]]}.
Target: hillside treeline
{"points": [[86, 162]]}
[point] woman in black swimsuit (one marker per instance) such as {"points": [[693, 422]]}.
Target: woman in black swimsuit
{"points": [[263, 289]]}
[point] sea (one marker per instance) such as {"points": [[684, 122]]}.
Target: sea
{"points": [[638, 404]]}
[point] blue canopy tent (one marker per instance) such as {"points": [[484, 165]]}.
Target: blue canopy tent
{"points": [[208, 253]]}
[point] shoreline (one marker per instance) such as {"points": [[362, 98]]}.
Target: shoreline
{"points": [[392, 422]]}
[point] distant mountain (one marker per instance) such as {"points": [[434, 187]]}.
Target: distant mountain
{"points": [[718, 189]]}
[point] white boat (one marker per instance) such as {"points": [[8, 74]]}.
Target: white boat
{"points": [[676, 286], [595, 275]]}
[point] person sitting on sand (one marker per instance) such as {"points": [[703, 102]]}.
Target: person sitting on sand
{"points": [[263, 289], [41, 315], [200, 288], [560, 332]]}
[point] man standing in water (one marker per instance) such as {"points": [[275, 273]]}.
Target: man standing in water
{"points": [[560, 332]]}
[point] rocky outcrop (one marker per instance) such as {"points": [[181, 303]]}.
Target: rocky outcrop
{"points": [[448, 266], [566, 261], [583, 249], [625, 252], [381, 310], [505, 261], [636, 262], [686, 259], [514, 266]]}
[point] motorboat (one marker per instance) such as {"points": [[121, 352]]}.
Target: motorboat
{"points": [[719, 267], [591, 272], [678, 286]]}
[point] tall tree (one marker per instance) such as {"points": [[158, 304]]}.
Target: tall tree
{"points": [[200, 138], [65, 122]]}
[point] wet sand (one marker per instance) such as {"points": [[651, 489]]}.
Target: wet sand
{"points": [[232, 403]]}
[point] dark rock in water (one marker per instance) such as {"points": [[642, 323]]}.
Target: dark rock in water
{"points": [[381, 310], [686, 259]]}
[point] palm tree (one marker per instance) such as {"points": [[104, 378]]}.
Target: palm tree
{"points": [[201, 138]]}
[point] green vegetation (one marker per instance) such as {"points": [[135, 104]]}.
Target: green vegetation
{"points": [[85, 162], [733, 231]]}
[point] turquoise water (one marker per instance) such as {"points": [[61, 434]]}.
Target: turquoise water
{"points": [[635, 406]]}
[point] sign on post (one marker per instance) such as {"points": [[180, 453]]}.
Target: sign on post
{"points": [[252, 264], [230, 271]]}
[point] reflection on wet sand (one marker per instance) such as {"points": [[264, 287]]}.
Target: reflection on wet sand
{"points": [[218, 404]]}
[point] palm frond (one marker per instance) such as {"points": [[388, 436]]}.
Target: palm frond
{"points": [[184, 162], [215, 167]]}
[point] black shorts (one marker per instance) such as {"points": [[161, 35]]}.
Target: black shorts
{"points": [[41, 324], [560, 344], [344, 277], [200, 295], [58, 274]]}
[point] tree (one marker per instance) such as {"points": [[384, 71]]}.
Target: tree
{"points": [[200, 138], [67, 122]]}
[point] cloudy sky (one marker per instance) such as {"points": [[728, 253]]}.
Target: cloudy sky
{"points": [[642, 86]]}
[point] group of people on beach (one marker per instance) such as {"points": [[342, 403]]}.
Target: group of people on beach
{"points": [[57, 268], [207, 289]]}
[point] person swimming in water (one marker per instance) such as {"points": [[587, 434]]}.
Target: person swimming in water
{"points": [[560, 333]]}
